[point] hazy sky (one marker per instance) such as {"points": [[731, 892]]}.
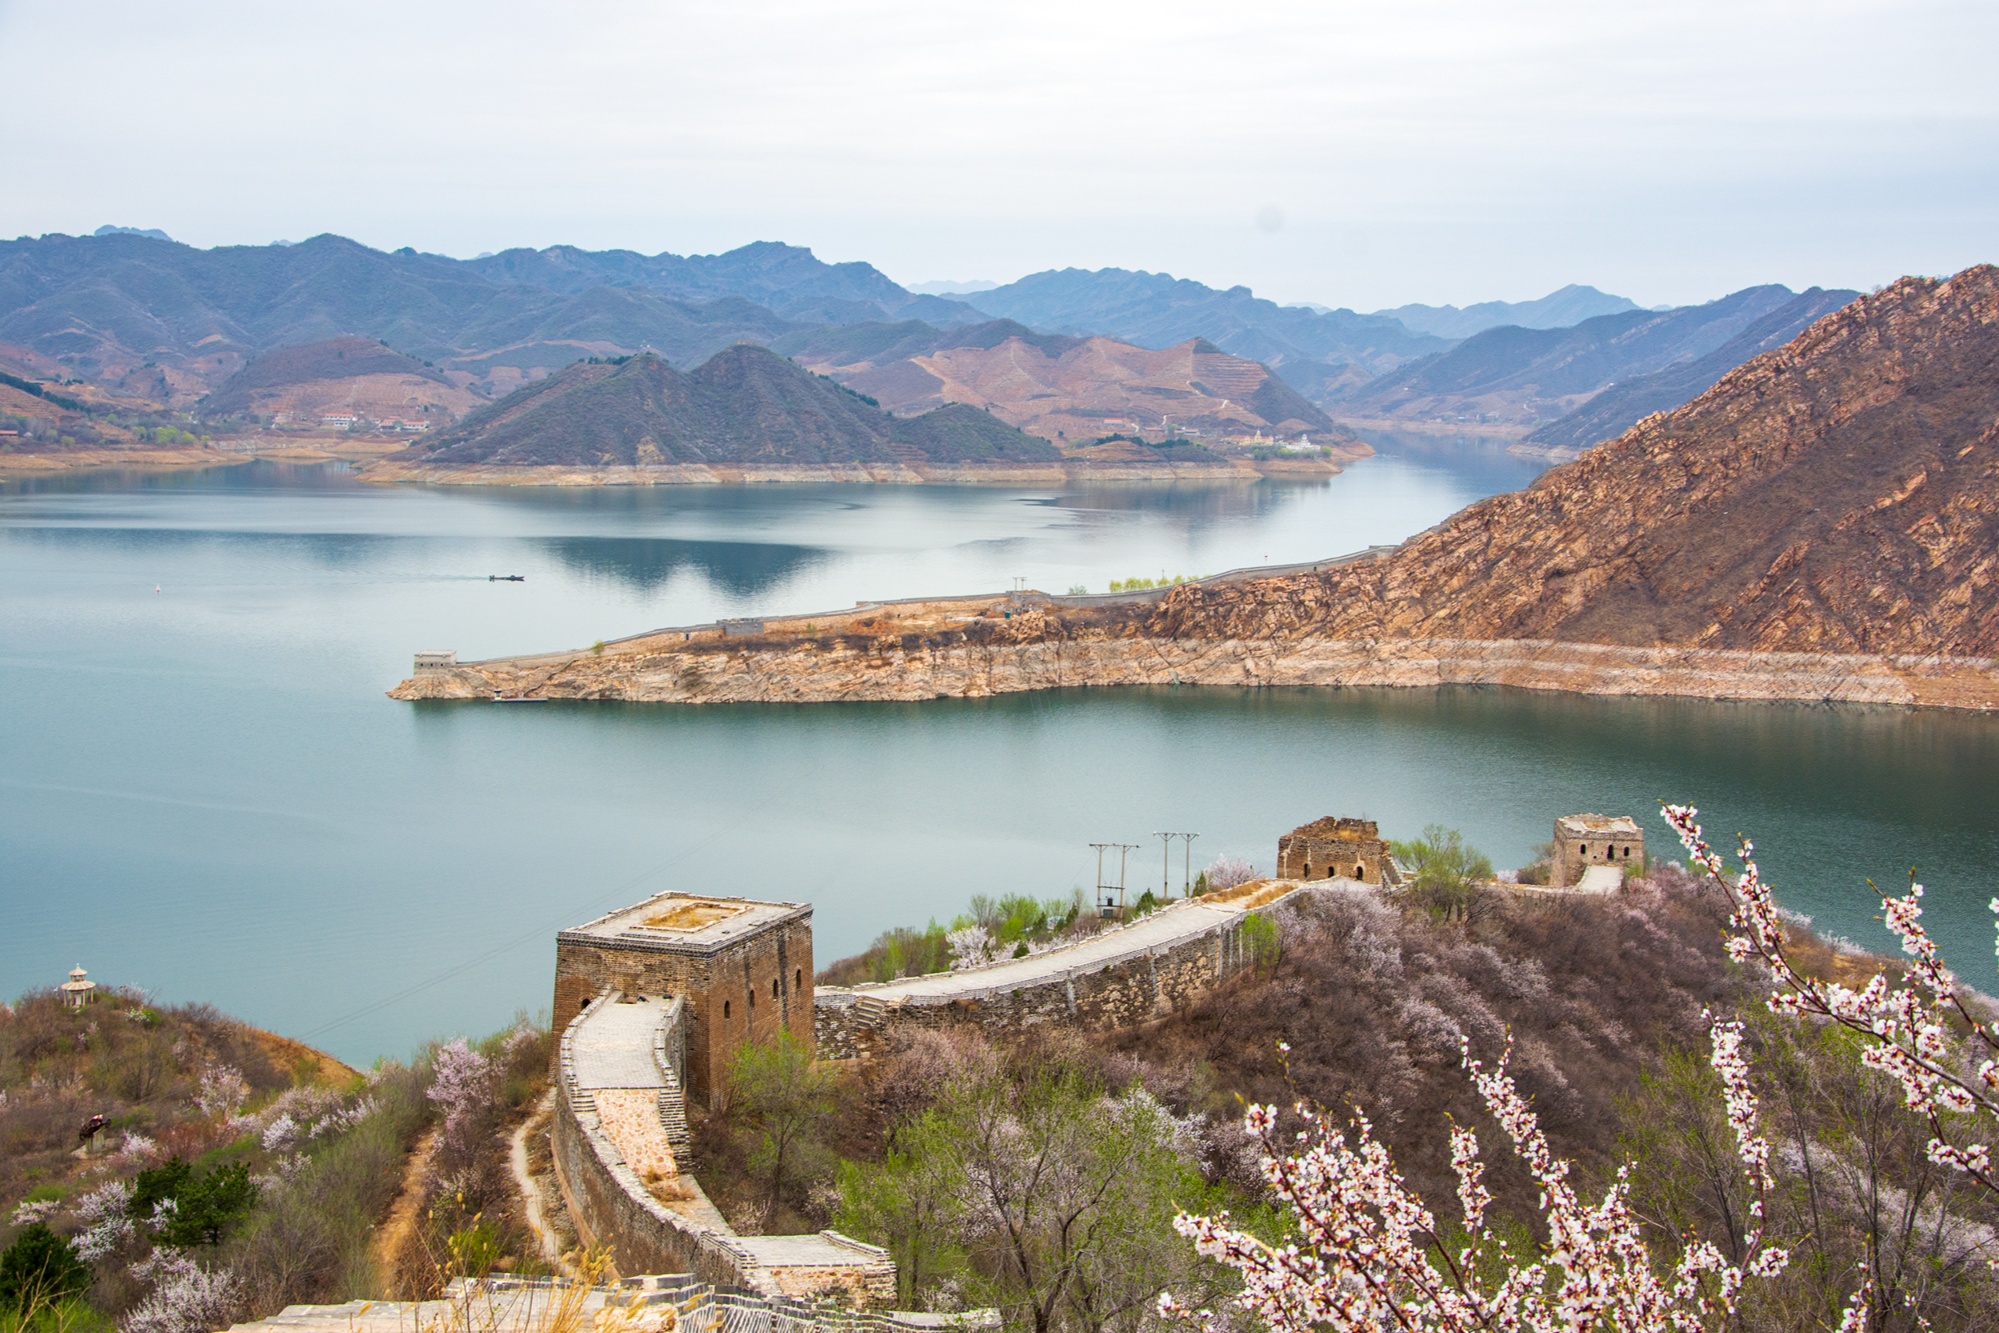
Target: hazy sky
{"points": [[1351, 154]]}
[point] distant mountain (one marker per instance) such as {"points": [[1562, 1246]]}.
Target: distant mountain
{"points": [[1059, 387], [182, 320], [1514, 377], [948, 288], [1626, 402], [786, 279], [352, 376], [153, 232], [171, 322], [1557, 310], [1157, 310], [746, 405]]}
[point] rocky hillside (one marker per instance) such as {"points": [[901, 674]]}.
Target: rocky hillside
{"points": [[1065, 389], [744, 405], [350, 375], [1840, 494]]}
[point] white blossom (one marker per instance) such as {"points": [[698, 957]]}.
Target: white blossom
{"points": [[38, 1210], [186, 1297], [280, 1133], [223, 1089], [971, 946]]}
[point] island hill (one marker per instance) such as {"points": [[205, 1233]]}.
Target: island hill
{"points": [[1821, 524], [749, 414]]}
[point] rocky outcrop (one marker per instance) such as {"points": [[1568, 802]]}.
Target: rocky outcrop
{"points": [[1822, 524]]}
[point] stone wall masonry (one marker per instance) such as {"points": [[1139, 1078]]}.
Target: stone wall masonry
{"points": [[747, 993], [505, 1303], [1125, 989], [611, 1206]]}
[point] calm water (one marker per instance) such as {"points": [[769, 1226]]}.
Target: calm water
{"points": [[204, 792]]}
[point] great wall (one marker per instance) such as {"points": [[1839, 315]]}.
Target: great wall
{"points": [[652, 1001]]}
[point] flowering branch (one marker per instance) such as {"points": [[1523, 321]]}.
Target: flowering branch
{"points": [[1368, 1255], [1908, 1030]]}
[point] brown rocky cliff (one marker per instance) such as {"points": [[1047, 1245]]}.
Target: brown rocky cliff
{"points": [[1840, 494]]}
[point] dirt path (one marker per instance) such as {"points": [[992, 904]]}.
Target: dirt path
{"points": [[396, 1229], [533, 1206]]}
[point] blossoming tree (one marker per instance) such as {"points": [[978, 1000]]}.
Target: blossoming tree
{"points": [[1366, 1253]]}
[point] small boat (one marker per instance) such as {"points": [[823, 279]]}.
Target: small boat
{"points": [[506, 578], [517, 699]]}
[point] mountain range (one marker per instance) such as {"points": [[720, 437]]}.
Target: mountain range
{"points": [[1512, 376], [1558, 309], [1159, 310], [129, 317]]}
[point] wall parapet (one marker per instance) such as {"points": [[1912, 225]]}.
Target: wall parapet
{"points": [[1086, 984], [612, 1206]]}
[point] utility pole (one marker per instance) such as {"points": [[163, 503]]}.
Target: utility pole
{"points": [[1125, 849], [1187, 866], [1165, 864], [1103, 903]]}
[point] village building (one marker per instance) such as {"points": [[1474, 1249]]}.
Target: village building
{"points": [[1584, 841], [1332, 848]]}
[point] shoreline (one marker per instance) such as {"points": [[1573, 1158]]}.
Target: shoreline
{"points": [[917, 654], [371, 466], [392, 472]]}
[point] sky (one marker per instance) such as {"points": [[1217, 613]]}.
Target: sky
{"points": [[1361, 155]]}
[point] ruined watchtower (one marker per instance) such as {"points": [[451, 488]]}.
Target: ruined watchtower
{"points": [[1332, 848], [1582, 841], [743, 968]]}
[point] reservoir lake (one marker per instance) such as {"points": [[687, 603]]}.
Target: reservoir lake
{"points": [[203, 791]]}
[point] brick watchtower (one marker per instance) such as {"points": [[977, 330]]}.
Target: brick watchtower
{"points": [[1332, 848], [743, 967]]}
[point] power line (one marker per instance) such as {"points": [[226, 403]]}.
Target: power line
{"points": [[617, 892]]}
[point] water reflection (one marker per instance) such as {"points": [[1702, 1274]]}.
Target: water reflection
{"points": [[739, 568], [264, 550]]}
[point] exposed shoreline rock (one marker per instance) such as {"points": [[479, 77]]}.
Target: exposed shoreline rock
{"points": [[847, 668]]}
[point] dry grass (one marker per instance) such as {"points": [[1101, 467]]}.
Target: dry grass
{"points": [[692, 915]]}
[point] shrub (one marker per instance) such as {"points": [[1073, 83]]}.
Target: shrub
{"points": [[1445, 873], [786, 1098], [40, 1268], [1225, 872], [209, 1206]]}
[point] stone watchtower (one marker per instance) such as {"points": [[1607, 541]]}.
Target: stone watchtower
{"points": [[1332, 848], [1582, 841], [743, 967]]}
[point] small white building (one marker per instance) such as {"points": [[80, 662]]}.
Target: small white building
{"points": [[79, 990]]}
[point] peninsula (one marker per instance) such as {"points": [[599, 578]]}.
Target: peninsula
{"points": [[1821, 524]]}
